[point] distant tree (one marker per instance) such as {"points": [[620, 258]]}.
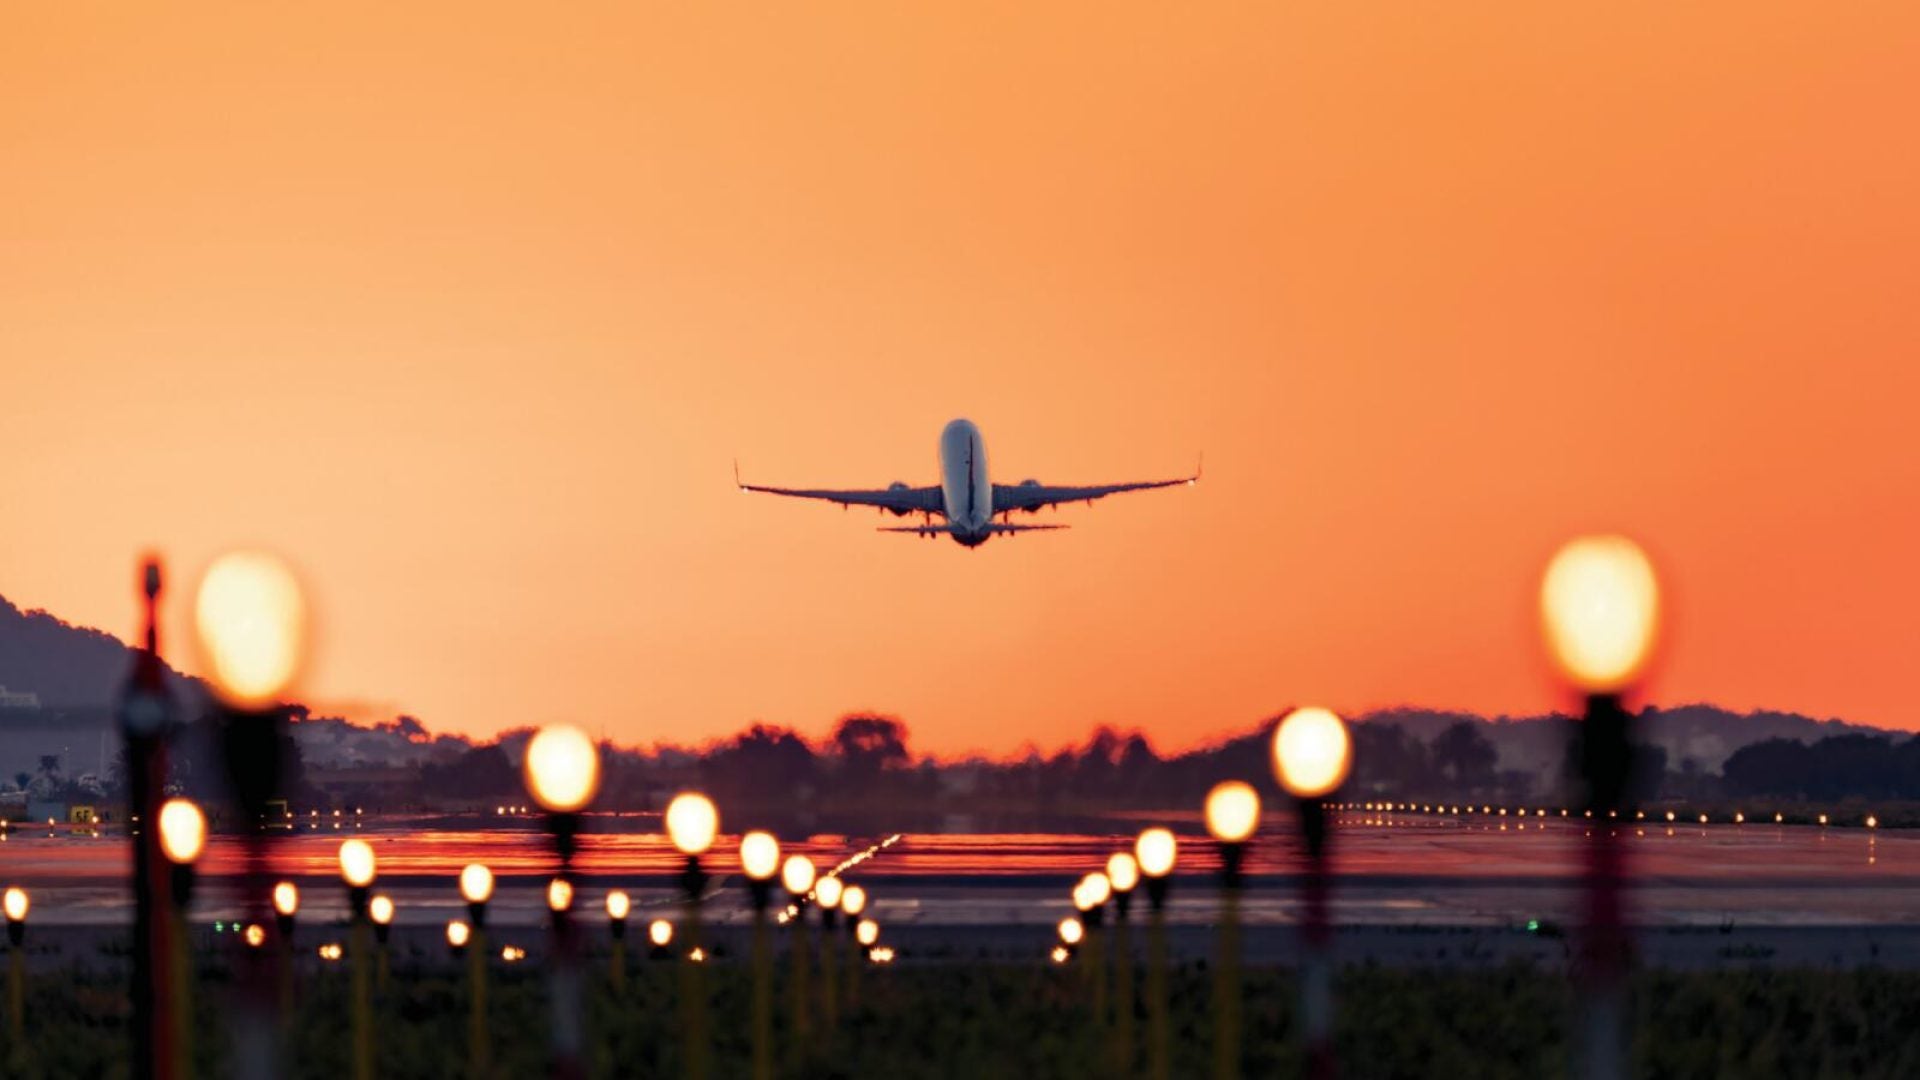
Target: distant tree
{"points": [[1464, 755], [481, 772], [869, 744]]}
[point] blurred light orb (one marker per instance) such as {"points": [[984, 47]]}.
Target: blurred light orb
{"points": [[759, 855], [458, 933], [854, 900], [17, 904], [380, 909], [1071, 930], [1312, 752], [256, 935], [827, 892], [1059, 954], [1123, 870], [866, 932], [1600, 612], [618, 905], [252, 623], [1233, 811], [286, 899], [692, 823], [660, 932], [357, 863], [476, 883], [1156, 850], [183, 831], [1099, 888], [562, 768], [797, 875], [559, 895]]}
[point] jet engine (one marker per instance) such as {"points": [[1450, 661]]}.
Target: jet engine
{"points": [[899, 485]]}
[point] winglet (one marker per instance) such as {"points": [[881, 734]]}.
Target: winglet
{"points": [[1199, 468], [736, 476]]}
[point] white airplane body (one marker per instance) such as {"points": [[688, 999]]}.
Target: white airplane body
{"points": [[966, 497]]}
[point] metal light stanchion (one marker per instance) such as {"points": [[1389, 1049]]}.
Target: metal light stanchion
{"points": [[853, 901], [380, 910], [563, 775], [826, 897], [16, 903], [357, 869], [476, 888], [1599, 605], [1123, 872], [760, 860], [619, 904], [1233, 813], [146, 718], [1156, 850], [251, 620], [693, 822], [1312, 754], [286, 906], [181, 830], [797, 875]]}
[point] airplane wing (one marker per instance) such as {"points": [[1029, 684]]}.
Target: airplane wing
{"points": [[1033, 495], [898, 498]]}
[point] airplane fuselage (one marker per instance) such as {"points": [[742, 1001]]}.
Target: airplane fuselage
{"points": [[964, 486]]}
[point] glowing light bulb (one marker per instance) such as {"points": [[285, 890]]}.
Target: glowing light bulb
{"points": [[1600, 610], [759, 855], [827, 892], [458, 933], [1156, 850], [252, 623], [1312, 753], [476, 883], [618, 904], [1123, 871], [380, 909], [797, 875], [183, 831], [16, 904], [1099, 888], [357, 863], [1233, 811], [866, 932], [853, 901], [560, 895], [286, 899], [660, 932], [692, 822], [562, 768], [1071, 930]]}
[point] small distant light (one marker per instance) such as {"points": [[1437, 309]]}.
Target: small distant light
{"points": [[286, 898], [759, 855], [1123, 871], [1739, 818], [476, 883], [660, 932], [1060, 954], [1533, 926], [560, 895], [1823, 819], [853, 900], [183, 831], [256, 935], [1669, 815], [698, 955], [826, 892], [1872, 822], [1779, 818], [866, 932], [1703, 819], [458, 933], [1071, 930], [380, 909], [357, 863], [797, 875], [17, 904], [618, 904]]}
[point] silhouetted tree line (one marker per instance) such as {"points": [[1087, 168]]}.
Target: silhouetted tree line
{"points": [[1842, 766]]}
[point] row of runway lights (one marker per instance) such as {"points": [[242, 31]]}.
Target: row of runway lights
{"points": [[1739, 817]]}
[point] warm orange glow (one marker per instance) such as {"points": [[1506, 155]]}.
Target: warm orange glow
{"points": [[692, 823], [1071, 930], [562, 768], [380, 909], [618, 905], [476, 883], [1600, 610], [357, 863], [458, 933], [252, 623], [255, 935], [827, 892], [1099, 888], [1156, 849], [866, 932], [759, 855], [1311, 752], [1123, 871], [660, 932], [286, 898], [853, 901], [1232, 811], [183, 831], [559, 895], [797, 874], [16, 904]]}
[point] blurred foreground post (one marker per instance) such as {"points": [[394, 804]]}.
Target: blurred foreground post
{"points": [[618, 905], [1599, 606], [146, 716], [1232, 813], [853, 901], [693, 822], [563, 775], [797, 875], [1312, 754], [826, 896], [357, 870], [16, 904], [1090, 897], [380, 910], [760, 860], [1123, 871], [182, 832], [1156, 851], [476, 888]]}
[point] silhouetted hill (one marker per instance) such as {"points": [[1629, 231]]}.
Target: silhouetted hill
{"points": [[69, 667]]}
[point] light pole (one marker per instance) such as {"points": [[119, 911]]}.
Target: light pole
{"points": [[1312, 754], [146, 717], [251, 619], [619, 904], [286, 905], [563, 775], [1156, 851], [1123, 871], [797, 875], [760, 861], [1233, 813], [380, 910], [1091, 896], [693, 822], [357, 869], [660, 934], [182, 830], [853, 901], [476, 888], [1600, 614], [826, 896], [16, 904]]}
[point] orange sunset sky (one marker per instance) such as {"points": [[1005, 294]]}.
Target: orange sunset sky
{"points": [[467, 309]]}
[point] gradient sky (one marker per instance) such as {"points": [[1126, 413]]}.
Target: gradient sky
{"points": [[467, 310]]}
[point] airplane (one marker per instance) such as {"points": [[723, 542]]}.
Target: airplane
{"points": [[967, 500]]}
